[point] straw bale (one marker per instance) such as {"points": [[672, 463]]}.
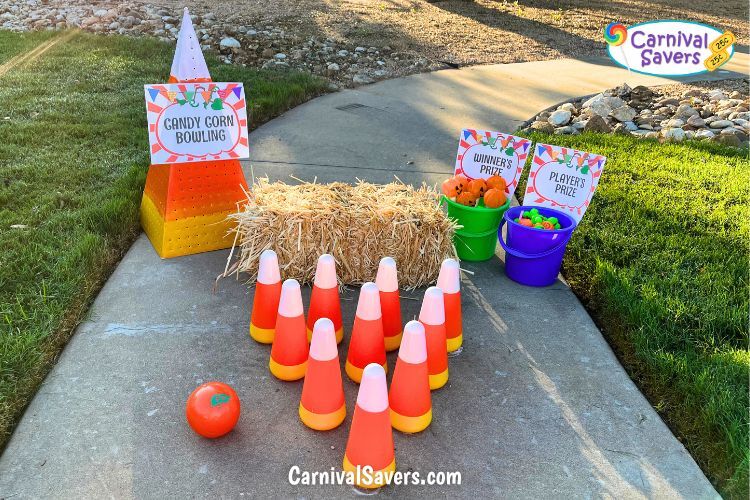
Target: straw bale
{"points": [[356, 224]]}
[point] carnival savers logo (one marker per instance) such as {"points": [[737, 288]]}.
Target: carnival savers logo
{"points": [[367, 477], [669, 48]]}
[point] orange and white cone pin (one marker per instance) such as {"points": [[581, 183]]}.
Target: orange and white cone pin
{"points": [[322, 405], [370, 436], [324, 301], [409, 397], [366, 345], [266, 299], [390, 303], [432, 316], [290, 349], [449, 281]]}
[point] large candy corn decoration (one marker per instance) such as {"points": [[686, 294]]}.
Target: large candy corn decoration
{"points": [[366, 345], [432, 316], [449, 281], [410, 401], [290, 349], [322, 406], [370, 436], [185, 205], [324, 302], [266, 298], [390, 304]]}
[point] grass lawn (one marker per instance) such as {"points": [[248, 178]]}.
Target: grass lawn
{"points": [[661, 262], [73, 160]]}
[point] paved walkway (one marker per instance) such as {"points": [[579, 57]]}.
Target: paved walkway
{"points": [[537, 406]]}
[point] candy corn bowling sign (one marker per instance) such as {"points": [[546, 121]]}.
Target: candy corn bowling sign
{"points": [[198, 131], [564, 179], [196, 121], [482, 154]]}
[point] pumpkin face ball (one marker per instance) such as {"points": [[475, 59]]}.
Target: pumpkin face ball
{"points": [[496, 182], [462, 181], [451, 188], [477, 187], [467, 198], [494, 198], [213, 409]]}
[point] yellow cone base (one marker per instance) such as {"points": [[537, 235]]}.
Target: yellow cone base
{"points": [[410, 425], [186, 236], [455, 343], [355, 373], [288, 373], [262, 335], [322, 421], [349, 467], [393, 343], [339, 335], [439, 380]]}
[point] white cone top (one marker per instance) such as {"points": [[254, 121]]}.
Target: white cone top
{"points": [[290, 304], [387, 279], [325, 273], [323, 345], [413, 344], [268, 269], [449, 280], [373, 393], [188, 62], [368, 307], [433, 308]]}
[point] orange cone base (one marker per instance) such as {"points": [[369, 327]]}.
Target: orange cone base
{"points": [[439, 380], [393, 343], [454, 343], [339, 335], [356, 373], [349, 467], [410, 425], [288, 373], [322, 421], [262, 335]]}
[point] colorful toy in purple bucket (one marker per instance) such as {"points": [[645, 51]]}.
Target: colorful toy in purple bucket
{"points": [[533, 256]]}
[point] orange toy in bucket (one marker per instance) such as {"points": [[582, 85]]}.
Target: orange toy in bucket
{"points": [[213, 409]]}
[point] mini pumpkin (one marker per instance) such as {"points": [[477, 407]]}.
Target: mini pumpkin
{"points": [[494, 198], [496, 182], [467, 198], [477, 187], [451, 188]]}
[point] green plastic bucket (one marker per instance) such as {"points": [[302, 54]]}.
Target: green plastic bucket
{"points": [[476, 220], [475, 247]]}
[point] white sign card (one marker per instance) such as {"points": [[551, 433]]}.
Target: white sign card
{"points": [[482, 154], [564, 179], [196, 122]]}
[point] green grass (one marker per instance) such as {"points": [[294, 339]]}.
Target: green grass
{"points": [[661, 261], [73, 160]]}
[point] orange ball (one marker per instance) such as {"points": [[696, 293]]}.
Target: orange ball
{"points": [[462, 181], [467, 198], [526, 222], [494, 198], [213, 409], [451, 188], [497, 182], [477, 187]]}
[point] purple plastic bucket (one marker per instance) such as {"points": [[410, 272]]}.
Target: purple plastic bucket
{"points": [[533, 256]]}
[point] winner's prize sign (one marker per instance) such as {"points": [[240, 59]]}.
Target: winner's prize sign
{"points": [[564, 179], [482, 154], [196, 122]]}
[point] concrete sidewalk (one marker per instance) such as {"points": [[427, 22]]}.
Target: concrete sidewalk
{"points": [[537, 405]]}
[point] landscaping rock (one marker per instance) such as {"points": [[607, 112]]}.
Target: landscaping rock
{"points": [[674, 134], [597, 124], [543, 126], [229, 43], [624, 113], [559, 117]]}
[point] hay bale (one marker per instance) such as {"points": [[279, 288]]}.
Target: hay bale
{"points": [[357, 224]]}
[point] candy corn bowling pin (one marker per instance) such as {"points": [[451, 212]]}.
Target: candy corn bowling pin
{"points": [[324, 301], [266, 298], [370, 435], [290, 349], [449, 281], [432, 316], [367, 344], [390, 303], [409, 397]]}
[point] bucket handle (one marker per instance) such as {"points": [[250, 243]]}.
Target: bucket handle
{"points": [[521, 255]]}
